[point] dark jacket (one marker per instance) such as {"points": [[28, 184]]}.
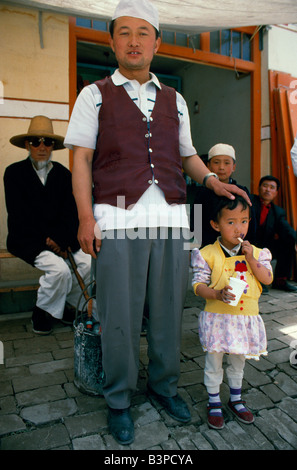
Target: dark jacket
{"points": [[36, 212], [206, 197], [276, 225]]}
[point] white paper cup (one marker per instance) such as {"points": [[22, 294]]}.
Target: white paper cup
{"points": [[238, 287]]}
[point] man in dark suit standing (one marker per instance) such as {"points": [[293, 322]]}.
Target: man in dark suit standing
{"points": [[274, 232]]}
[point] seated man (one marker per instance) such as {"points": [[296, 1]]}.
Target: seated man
{"points": [[274, 232], [43, 223]]}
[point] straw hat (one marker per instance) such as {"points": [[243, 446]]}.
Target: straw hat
{"points": [[40, 126]]}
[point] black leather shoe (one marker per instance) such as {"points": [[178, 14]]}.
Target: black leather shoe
{"points": [[41, 321], [174, 406], [121, 425]]}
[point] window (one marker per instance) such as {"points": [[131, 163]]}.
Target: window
{"points": [[231, 43], [92, 24], [181, 39]]}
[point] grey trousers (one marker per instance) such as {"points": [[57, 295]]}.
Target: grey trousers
{"points": [[128, 272]]}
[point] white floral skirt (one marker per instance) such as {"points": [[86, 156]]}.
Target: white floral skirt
{"points": [[233, 334]]}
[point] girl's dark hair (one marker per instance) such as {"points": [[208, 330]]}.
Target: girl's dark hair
{"points": [[111, 28], [220, 203]]}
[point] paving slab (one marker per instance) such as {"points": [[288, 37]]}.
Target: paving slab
{"points": [[48, 412], [51, 437], [11, 423], [93, 442]]}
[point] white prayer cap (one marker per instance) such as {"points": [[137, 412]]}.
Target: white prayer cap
{"points": [[221, 149], [142, 9]]}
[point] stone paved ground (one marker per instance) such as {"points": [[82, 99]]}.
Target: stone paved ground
{"points": [[40, 407]]}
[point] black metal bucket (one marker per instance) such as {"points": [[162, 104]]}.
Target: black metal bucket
{"points": [[88, 370]]}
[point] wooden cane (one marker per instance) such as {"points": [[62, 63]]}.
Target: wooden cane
{"points": [[89, 323]]}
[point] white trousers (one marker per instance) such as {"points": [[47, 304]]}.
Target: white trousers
{"points": [[59, 284], [213, 372]]}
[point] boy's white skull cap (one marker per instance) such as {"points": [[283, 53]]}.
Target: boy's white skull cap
{"points": [[142, 9], [221, 149]]}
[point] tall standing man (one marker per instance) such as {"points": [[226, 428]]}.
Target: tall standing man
{"points": [[131, 139]]}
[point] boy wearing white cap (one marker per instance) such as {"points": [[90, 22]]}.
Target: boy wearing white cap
{"points": [[221, 160], [131, 139]]}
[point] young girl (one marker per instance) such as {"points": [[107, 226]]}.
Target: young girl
{"points": [[224, 329]]}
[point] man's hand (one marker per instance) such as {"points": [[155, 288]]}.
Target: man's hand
{"points": [[53, 246], [89, 237], [226, 189], [195, 169]]}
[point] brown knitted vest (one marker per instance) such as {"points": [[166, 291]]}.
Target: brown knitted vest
{"points": [[130, 150]]}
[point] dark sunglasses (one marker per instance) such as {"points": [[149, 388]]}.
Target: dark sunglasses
{"points": [[36, 141]]}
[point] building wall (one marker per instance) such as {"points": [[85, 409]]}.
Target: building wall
{"points": [[265, 114], [224, 112], [34, 80], [282, 49], [279, 54]]}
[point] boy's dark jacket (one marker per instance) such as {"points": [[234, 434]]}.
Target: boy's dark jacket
{"points": [[206, 197]]}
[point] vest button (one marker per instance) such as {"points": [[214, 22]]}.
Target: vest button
{"points": [[156, 181], [146, 136], [151, 119], [144, 118], [150, 150], [152, 165], [150, 182]]}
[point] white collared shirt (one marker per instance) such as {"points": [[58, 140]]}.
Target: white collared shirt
{"points": [[235, 250], [151, 210]]}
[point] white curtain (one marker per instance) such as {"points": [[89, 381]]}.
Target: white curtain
{"points": [[184, 15]]}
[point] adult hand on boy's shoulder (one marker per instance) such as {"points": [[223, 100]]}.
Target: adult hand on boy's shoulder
{"points": [[226, 189]]}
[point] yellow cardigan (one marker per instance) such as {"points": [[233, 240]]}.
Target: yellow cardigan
{"points": [[222, 268]]}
